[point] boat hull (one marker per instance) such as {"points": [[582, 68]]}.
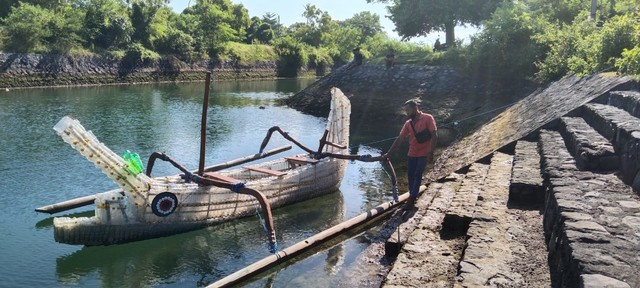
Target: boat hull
{"points": [[197, 207]]}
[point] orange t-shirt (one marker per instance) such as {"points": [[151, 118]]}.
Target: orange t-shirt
{"points": [[423, 121]]}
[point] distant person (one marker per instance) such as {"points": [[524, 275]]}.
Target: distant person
{"points": [[390, 59], [357, 59], [422, 133], [437, 46]]}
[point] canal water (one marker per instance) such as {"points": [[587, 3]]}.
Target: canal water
{"points": [[38, 168]]}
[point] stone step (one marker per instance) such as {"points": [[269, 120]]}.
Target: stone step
{"points": [[627, 100], [456, 220], [503, 247], [427, 260], [591, 222], [623, 130], [407, 220], [526, 187], [590, 149]]}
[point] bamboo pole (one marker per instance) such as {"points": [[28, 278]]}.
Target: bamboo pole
{"points": [[246, 159], [304, 245], [203, 125], [69, 204]]}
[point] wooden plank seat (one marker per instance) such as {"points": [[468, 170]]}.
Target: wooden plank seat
{"points": [[221, 178], [265, 171], [301, 160]]}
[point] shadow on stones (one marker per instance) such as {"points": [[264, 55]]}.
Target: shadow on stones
{"points": [[509, 148], [486, 160], [463, 170], [454, 226]]}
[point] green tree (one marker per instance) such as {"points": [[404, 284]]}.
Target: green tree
{"points": [[66, 27], [366, 22], [273, 20], [32, 28], [241, 20], [421, 17], [24, 34], [252, 30], [106, 24], [6, 5], [142, 13], [211, 24], [264, 34], [292, 54]]}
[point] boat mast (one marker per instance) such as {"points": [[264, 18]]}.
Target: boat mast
{"points": [[203, 125]]}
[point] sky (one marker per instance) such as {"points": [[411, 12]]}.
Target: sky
{"points": [[290, 11]]}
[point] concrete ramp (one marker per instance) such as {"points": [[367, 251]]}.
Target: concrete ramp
{"points": [[525, 117]]}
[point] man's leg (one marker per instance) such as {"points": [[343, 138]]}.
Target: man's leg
{"points": [[411, 172], [420, 165]]}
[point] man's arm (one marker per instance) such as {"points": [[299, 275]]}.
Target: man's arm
{"points": [[394, 146]]}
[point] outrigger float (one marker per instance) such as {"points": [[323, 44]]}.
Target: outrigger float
{"points": [[149, 207]]}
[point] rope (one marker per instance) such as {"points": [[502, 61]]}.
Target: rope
{"points": [[273, 247], [478, 115], [394, 187], [447, 125], [374, 142]]}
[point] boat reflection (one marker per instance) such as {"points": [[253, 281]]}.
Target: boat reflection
{"points": [[208, 254]]}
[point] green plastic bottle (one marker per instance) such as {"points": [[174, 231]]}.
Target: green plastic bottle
{"points": [[134, 164]]}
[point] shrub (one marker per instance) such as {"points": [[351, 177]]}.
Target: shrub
{"points": [[320, 59], [293, 56], [137, 55], [24, 33], [247, 54], [503, 51], [583, 48], [630, 61], [176, 42]]}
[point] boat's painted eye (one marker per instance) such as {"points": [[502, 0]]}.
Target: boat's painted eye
{"points": [[164, 204]]}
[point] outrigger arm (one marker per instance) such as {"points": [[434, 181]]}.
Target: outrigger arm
{"points": [[320, 155], [235, 187]]}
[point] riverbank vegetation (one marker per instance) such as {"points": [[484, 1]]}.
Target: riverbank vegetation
{"points": [[521, 42], [141, 30], [529, 40]]}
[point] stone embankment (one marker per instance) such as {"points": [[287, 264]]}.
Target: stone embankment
{"points": [[546, 201], [377, 94], [41, 70]]}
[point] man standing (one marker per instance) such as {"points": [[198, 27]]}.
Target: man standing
{"points": [[422, 133], [357, 59]]}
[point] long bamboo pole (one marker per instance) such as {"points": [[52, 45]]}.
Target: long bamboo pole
{"points": [[69, 204], [203, 125], [247, 159], [304, 245]]}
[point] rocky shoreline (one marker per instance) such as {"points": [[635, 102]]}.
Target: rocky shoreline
{"points": [[458, 102], [19, 70], [538, 202]]}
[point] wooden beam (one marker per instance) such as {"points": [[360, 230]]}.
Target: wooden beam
{"points": [[304, 245], [265, 171]]}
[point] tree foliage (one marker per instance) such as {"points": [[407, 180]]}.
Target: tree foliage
{"points": [[420, 17], [57, 32], [538, 40], [106, 25]]}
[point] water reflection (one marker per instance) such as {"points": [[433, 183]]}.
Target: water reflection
{"points": [[207, 254]]}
